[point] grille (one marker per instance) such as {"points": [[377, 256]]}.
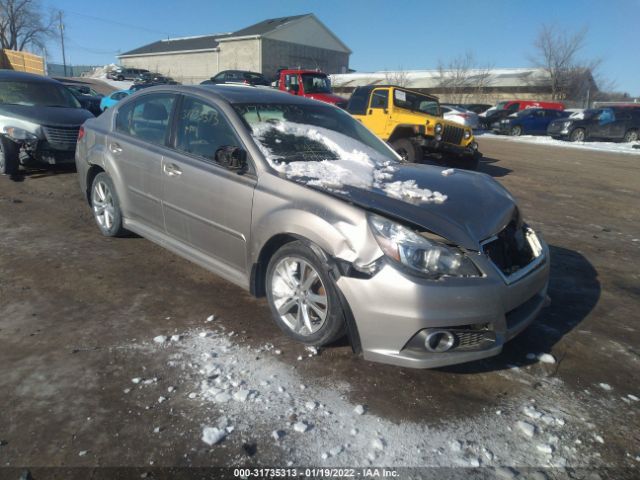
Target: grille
{"points": [[451, 134], [61, 135], [470, 339], [510, 251]]}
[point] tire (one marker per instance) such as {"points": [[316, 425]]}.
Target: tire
{"points": [[578, 135], [409, 151], [105, 206], [120, 78], [516, 131], [9, 162], [631, 136], [301, 315]]}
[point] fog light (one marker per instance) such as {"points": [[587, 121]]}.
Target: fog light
{"points": [[439, 341]]}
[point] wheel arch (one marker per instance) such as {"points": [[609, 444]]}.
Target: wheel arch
{"points": [[93, 171], [402, 131]]}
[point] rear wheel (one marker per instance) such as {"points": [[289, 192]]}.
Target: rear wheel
{"points": [[106, 206], [303, 297], [516, 131], [9, 163], [409, 151], [578, 135], [631, 136]]}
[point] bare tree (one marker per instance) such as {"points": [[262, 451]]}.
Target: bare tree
{"points": [[398, 77], [23, 24], [462, 79], [557, 52]]}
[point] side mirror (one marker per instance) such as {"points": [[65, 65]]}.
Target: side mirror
{"points": [[232, 158]]}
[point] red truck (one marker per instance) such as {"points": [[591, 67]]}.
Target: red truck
{"points": [[310, 84]]}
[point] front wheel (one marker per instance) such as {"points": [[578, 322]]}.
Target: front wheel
{"points": [[302, 296], [9, 162], [631, 136], [409, 151], [516, 131], [578, 135], [106, 206]]}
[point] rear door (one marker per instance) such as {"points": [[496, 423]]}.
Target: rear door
{"points": [[136, 146], [206, 206]]}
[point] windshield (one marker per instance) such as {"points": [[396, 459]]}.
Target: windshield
{"points": [[315, 83], [416, 102], [36, 94]]}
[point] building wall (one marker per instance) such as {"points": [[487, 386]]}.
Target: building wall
{"points": [[278, 54], [240, 55], [187, 68], [308, 31]]}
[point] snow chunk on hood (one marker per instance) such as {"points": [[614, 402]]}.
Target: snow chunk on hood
{"points": [[354, 164]]}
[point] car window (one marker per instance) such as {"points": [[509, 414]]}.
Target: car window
{"points": [[219, 77], [291, 79], [513, 107], [147, 118], [118, 96], [380, 99], [203, 129]]}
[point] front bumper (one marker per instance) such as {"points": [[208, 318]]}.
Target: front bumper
{"points": [[42, 152], [435, 146], [392, 310]]}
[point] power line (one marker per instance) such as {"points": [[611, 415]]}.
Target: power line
{"points": [[126, 25]]}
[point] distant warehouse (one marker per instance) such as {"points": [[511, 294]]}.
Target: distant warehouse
{"points": [[300, 41]]}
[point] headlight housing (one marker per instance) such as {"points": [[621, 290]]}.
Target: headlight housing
{"points": [[438, 128], [20, 134], [467, 134], [427, 257]]}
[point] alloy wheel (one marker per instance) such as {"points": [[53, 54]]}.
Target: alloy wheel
{"points": [[103, 205], [299, 295]]}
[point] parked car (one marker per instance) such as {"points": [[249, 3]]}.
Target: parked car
{"points": [[410, 121], [517, 105], [310, 84], [153, 78], [121, 73], [533, 121], [238, 76], [110, 100], [89, 99], [295, 200], [611, 123], [460, 115], [39, 121], [492, 117]]}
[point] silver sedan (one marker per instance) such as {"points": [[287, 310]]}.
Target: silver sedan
{"points": [[294, 200]]}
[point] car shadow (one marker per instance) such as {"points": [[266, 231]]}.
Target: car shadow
{"points": [[574, 290], [488, 166], [35, 173]]}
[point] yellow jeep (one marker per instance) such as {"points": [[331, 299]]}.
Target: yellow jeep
{"points": [[412, 124]]}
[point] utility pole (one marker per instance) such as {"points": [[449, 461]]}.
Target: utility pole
{"points": [[64, 60]]}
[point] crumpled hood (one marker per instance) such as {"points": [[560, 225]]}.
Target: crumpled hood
{"points": [[327, 98], [476, 207], [53, 116]]}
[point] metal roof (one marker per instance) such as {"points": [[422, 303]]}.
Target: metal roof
{"points": [[498, 77], [207, 42]]}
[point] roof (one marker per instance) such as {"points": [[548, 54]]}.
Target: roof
{"points": [[203, 42], [498, 77], [266, 26], [24, 77], [207, 42]]}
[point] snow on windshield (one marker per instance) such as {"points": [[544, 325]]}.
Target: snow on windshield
{"points": [[348, 162]]}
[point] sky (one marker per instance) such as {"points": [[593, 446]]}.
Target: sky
{"points": [[383, 34]]}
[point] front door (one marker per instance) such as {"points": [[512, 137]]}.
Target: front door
{"points": [[137, 144], [379, 111], [206, 206]]}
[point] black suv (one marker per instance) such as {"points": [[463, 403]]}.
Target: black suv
{"points": [[610, 123], [125, 73], [39, 121], [238, 76]]}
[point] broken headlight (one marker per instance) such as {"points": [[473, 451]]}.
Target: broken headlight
{"points": [[19, 134], [420, 254]]}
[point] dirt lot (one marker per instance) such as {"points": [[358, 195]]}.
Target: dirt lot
{"points": [[79, 312]]}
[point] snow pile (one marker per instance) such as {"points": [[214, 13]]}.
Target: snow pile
{"points": [[612, 147], [357, 165], [265, 398]]}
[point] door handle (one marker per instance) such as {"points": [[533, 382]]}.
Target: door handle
{"points": [[115, 147], [171, 170]]}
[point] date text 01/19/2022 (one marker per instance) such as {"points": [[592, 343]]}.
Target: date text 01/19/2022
{"points": [[368, 472]]}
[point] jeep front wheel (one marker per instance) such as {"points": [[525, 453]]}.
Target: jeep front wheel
{"points": [[409, 151]]}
